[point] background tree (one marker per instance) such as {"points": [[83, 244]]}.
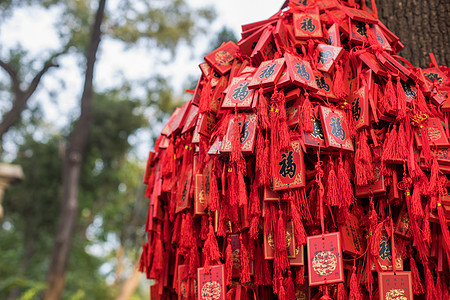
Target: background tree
{"points": [[422, 26]]}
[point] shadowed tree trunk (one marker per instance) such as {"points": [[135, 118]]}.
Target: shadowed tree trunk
{"points": [[422, 26], [72, 162]]}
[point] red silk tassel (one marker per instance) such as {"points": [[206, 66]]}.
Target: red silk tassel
{"points": [[306, 123], [177, 229], [372, 39], [444, 229], [213, 192], [281, 261], [426, 150], [168, 165], [186, 234], [339, 85], [300, 275], [279, 131], [341, 292], [290, 288], [261, 108], [281, 292], [390, 146], [194, 260], [390, 94], [204, 229], [299, 230], [433, 184], [346, 197], [363, 162], [401, 98], [355, 293], [416, 204], [402, 143], [332, 186], [421, 103], [245, 273], [228, 262], [158, 260], [439, 291], [429, 284], [205, 97], [262, 161], [211, 248], [415, 277]]}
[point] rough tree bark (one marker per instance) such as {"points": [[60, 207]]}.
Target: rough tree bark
{"points": [[72, 161], [422, 26]]}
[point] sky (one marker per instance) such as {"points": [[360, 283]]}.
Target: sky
{"points": [[33, 29]]}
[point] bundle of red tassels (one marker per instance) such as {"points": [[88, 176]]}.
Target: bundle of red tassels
{"points": [[310, 163]]}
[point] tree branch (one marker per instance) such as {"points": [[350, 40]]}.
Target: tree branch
{"points": [[12, 74]]}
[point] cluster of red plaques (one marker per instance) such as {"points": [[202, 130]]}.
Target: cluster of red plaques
{"points": [[310, 163]]}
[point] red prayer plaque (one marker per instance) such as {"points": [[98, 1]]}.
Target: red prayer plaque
{"points": [[395, 285], [281, 35], [207, 123], [335, 129], [328, 55], [373, 63], [307, 25], [267, 73], [410, 91], [403, 227], [382, 40], [325, 85], [434, 74], [284, 79], [315, 138], [211, 286], [292, 113], [236, 254], [300, 72], [333, 38], [215, 147], [359, 15], [324, 259], [186, 284], [269, 243], [196, 134], [184, 188], [358, 32], [378, 188], [351, 236], [299, 259], [248, 44], [436, 134], [238, 94], [201, 193], [189, 121], [217, 95], [270, 195], [290, 169], [360, 107], [247, 128], [222, 58], [384, 259], [209, 72], [174, 120]]}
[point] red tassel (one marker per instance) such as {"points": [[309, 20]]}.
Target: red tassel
{"points": [[205, 97], [390, 94], [177, 229], [444, 229], [290, 288], [402, 143], [168, 164], [261, 108], [186, 234], [194, 260], [300, 275], [158, 260], [213, 192], [236, 153], [243, 200], [281, 292], [416, 204], [245, 273], [228, 262], [375, 241], [143, 260], [262, 161], [372, 39], [279, 131], [299, 230], [415, 277], [345, 187], [390, 146], [233, 185], [341, 292], [332, 186], [339, 85], [355, 293], [363, 162], [433, 188], [426, 150], [429, 284], [281, 262], [306, 123], [423, 107], [255, 211], [211, 249], [439, 291], [401, 98]]}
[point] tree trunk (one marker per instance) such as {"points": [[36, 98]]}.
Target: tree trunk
{"points": [[72, 162], [422, 26], [129, 286]]}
